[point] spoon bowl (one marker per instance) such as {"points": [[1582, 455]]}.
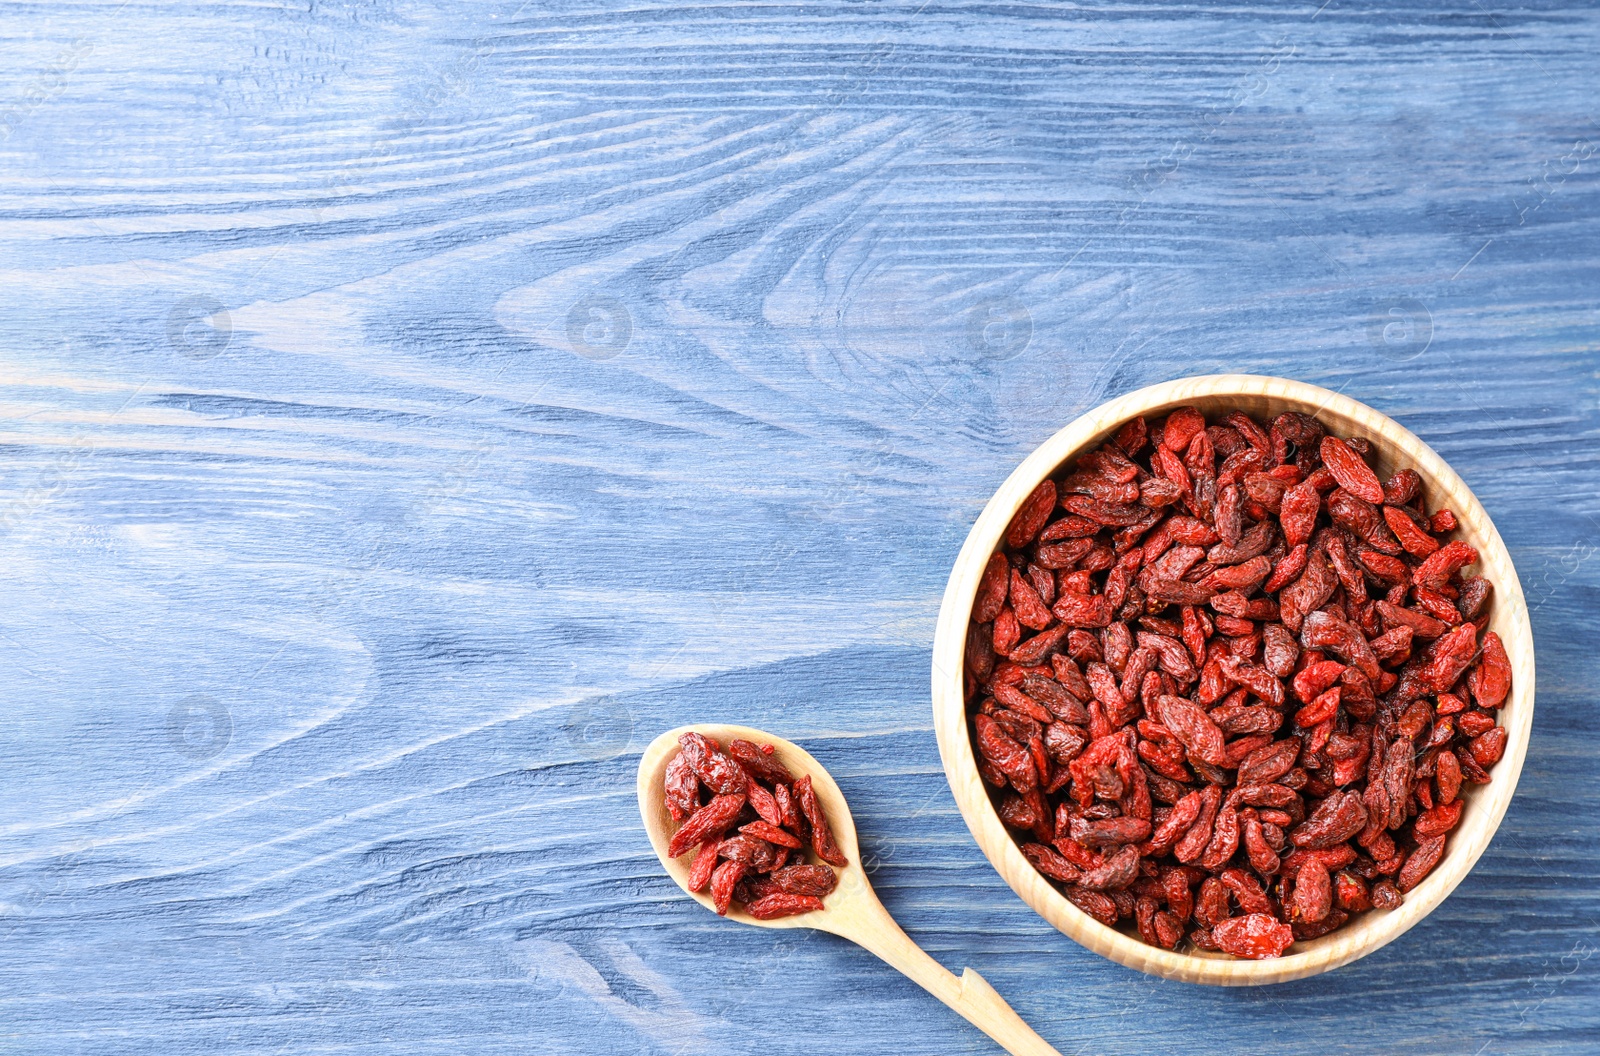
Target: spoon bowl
{"points": [[852, 911]]}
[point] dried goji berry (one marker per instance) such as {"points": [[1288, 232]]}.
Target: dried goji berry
{"points": [[1489, 746], [992, 589], [780, 904], [710, 820], [1436, 570], [1352, 473], [1097, 904], [821, 834], [1413, 538], [1027, 604], [1491, 679], [1385, 895], [721, 772], [1313, 892], [1401, 488], [1254, 936], [683, 788], [1350, 892], [1447, 776], [1182, 426], [1193, 728], [815, 880], [763, 830], [1035, 510], [724, 879], [764, 802], [1436, 821], [1117, 870], [1420, 862], [760, 762], [705, 860], [1298, 513], [1335, 820]]}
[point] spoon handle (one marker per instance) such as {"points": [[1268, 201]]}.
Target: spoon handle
{"points": [[971, 995]]}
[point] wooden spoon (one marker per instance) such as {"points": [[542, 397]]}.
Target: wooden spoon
{"points": [[852, 910]]}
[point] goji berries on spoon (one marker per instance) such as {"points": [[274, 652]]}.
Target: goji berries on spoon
{"points": [[751, 820]]}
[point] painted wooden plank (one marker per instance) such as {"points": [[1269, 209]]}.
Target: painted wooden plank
{"points": [[408, 411]]}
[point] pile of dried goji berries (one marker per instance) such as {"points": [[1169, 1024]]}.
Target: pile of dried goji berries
{"points": [[1227, 684], [749, 817]]}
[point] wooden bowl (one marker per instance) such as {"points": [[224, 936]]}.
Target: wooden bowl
{"points": [[1396, 448]]}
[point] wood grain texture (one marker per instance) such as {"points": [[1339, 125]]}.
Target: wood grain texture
{"points": [[408, 411]]}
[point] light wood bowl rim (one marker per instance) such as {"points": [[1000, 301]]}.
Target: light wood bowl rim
{"points": [[1486, 805]]}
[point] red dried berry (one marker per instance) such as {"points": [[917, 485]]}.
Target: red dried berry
{"points": [[761, 761], [1313, 892], [780, 904], [705, 860], [1027, 604], [1436, 821], [1420, 862], [721, 772], [1491, 679], [763, 830], [723, 880], [1348, 468], [709, 821], [992, 589], [1414, 539], [821, 834], [683, 788], [1386, 896], [763, 802], [1031, 516], [1447, 776], [1489, 746], [1254, 936], [814, 880], [1181, 428], [1193, 728], [1436, 570], [1117, 870], [1095, 903]]}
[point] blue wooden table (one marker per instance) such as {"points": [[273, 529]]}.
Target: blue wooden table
{"points": [[409, 411]]}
